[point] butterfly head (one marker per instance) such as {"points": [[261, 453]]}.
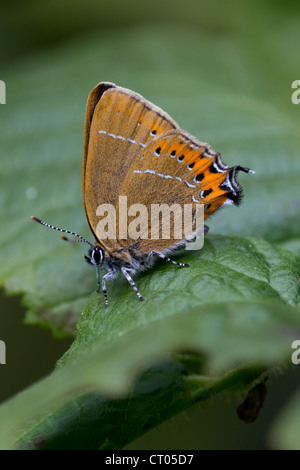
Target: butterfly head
{"points": [[96, 253]]}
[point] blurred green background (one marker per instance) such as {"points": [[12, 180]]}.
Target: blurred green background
{"points": [[223, 70]]}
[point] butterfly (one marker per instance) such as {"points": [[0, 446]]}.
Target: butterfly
{"points": [[134, 150]]}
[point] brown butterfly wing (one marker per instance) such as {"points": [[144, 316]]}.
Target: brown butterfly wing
{"points": [[176, 168], [119, 124]]}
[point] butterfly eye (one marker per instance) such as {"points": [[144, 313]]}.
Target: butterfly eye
{"points": [[96, 255]]}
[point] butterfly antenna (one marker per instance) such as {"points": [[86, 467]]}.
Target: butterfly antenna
{"points": [[80, 238], [245, 170]]}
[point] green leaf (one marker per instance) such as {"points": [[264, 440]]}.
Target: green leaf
{"points": [[67, 406], [235, 342], [239, 269], [96, 422]]}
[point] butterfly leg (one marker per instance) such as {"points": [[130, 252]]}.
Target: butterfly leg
{"points": [[131, 282], [98, 278], [160, 255], [106, 277]]}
